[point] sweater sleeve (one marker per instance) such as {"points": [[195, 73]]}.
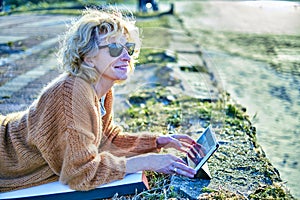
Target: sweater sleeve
{"points": [[126, 144], [84, 167], [122, 143]]}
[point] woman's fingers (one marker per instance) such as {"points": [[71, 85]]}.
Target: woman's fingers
{"points": [[185, 141], [182, 169], [180, 142], [199, 149], [184, 138], [170, 164], [169, 142], [177, 141]]}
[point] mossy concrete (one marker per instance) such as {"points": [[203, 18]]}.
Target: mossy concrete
{"points": [[240, 168]]}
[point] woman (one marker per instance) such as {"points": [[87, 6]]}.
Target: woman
{"points": [[68, 133]]}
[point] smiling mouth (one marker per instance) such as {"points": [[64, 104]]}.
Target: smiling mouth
{"points": [[121, 67]]}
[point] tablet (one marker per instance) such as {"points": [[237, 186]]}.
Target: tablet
{"points": [[201, 151]]}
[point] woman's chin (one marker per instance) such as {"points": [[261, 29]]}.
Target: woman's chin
{"points": [[121, 79]]}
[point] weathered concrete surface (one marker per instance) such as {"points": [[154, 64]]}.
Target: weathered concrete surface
{"points": [[253, 18], [25, 72]]}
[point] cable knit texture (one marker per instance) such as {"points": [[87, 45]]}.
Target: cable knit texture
{"points": [[62, 136]]}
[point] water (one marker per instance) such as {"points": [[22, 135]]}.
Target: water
{"points": [[273, 102]]}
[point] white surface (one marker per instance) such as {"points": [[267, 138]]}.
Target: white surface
{"points": [[57, 187]]}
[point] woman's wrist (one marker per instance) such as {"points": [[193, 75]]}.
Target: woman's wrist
{"points": [[138, 163], [160, 141]]}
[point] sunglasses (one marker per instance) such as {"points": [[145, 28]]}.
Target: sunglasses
{"points": [[115, 49]]}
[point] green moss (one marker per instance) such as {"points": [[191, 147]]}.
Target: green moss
{"points": [[150, 55], [221, 195], [10, 44], [153, 22], [155, 33], [155, 38], [270, 192], [174, 117], [160, 188], [234, 111], [235, 164], [158, 106], [206, 189]]}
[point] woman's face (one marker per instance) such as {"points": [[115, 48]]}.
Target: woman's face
{"points": [[112, 68]]}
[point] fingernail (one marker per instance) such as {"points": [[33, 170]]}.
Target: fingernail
{"points": [[192, 176]]}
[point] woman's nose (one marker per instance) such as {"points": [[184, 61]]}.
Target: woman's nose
{"points": [[125, 56]]}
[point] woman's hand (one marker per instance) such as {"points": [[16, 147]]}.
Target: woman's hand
{"points": [[164, 163], [180, 142], [196, 153], [169, 164]]}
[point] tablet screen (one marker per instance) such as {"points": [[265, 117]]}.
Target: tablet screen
{"points": [[201, 151]]}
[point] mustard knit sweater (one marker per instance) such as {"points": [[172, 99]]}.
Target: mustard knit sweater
{"points": [[62, 136]]}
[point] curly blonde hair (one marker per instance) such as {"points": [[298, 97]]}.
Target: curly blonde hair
{"points": [[85, 34]]}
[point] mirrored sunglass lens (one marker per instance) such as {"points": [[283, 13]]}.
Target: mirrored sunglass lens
{"points": [[130, 48], [115, 50]]}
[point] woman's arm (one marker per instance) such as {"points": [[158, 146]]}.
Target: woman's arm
{"points": [[126, 144]]}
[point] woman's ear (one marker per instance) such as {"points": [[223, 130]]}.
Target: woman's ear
{"points": [[89, 61]]}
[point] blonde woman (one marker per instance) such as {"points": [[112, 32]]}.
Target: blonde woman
{"points": [[68, 133]]}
